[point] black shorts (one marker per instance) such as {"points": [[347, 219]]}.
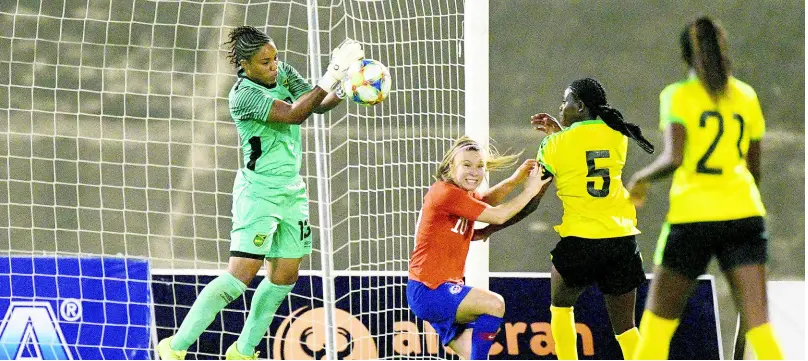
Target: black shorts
{"points": [[690, 246], [614, 264]]}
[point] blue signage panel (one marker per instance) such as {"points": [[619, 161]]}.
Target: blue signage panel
{"points": [[526, 333], [64, 308], [373, 321]]}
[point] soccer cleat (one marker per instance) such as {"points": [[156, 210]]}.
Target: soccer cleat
{"points": [[167, 353], [232, 353]]}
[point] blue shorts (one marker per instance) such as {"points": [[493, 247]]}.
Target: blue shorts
{"points": [[438, 306]]}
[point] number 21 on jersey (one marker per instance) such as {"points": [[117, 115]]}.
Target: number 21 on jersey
{"points": [[461, 226]]}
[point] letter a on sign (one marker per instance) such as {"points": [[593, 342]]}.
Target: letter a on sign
{"points": [[32, 327]]}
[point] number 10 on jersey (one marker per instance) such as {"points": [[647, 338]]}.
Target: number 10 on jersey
{"points": [[461, 226]]}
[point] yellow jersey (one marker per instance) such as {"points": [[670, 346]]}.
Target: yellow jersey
{"points": [[713, 182], [587, 160]]}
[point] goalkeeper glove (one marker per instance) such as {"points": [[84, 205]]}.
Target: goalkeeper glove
{"points": [[342, 57]]}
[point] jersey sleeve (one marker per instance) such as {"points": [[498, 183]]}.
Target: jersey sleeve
{"points": [[458, 202], [757, 125], [251, 104], [297, 85], [546, 154], [668, 113]]}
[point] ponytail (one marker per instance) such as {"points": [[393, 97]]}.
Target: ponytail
{"points": [[593, 96], [614, 119], [704, 48]]}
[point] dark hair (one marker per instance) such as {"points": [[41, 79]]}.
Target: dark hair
{"points": [[591, 93], [704, 48], [244, 43]]}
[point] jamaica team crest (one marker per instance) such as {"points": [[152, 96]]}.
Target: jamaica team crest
{"points": [[259, 240]]}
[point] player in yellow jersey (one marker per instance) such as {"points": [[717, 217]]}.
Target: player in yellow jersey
{"points": [[599, 224], [712, 126]]}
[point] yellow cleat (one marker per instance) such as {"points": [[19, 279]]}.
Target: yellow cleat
{"points": [[167, 353], [232, 353]]}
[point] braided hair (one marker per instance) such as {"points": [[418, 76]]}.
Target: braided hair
{"points": [[244, 42], [704, 48], [591, 93]]}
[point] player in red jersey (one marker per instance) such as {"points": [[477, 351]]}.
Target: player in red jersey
{"points": [[466, 318]]}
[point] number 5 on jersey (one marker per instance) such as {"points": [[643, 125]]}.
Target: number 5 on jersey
{"points": [[592, 171], [461, 226]]}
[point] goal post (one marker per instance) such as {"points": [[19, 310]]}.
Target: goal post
{"points": [[323, 189], [475, 55]]}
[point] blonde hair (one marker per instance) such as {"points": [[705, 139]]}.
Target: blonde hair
{"points": [[493, 160]]}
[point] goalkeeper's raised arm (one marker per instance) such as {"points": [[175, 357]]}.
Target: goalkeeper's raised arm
{"points": [[292, 99]]}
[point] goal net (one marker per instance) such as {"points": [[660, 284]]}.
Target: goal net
{"points": [[118, 152]]}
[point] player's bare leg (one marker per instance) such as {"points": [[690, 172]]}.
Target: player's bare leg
{"points": [[621, 310], [479, 302], [562, 294], [461, 345], [244, 269], [562, 322], [485, 309], [621, 314], [748, 284], [668, 293], [283, 271], [667, 297]]}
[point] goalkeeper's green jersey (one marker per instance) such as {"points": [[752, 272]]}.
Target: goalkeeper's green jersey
{"points": [[269, 148], [713, 183]]}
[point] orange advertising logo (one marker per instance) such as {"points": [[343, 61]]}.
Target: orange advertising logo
{"points": [[408, 339], [541, 339], [300, 337], [302, 334]]}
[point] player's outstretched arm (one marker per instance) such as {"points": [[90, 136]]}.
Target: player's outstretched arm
{"points": [[544, 122], [753, 160], [330, 102], [503, 212], [487, 231], [297, 112], [342, 57], [498, 192], [670, 159]]}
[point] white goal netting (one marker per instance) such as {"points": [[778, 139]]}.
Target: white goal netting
{"points": [[117, 144]]}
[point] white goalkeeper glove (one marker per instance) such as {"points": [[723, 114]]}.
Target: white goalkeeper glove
{"points": [[345, 55]]}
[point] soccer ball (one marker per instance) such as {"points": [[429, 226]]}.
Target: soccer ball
{"points": [[367, 82]]}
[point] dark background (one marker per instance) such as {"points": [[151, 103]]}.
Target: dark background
{"points": [[539, 48]]}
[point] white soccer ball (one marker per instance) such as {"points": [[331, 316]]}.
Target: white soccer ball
{"points": [[367, 82]]}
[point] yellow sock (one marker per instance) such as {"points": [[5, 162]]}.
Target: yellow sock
{"points": [[764, 343], [628, 342], [562, 324], [655, 337]]}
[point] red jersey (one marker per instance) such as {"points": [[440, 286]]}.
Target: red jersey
{"points": [[444, 233]]}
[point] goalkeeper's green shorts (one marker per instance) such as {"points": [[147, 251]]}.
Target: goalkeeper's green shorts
{"points": [[270, 217]]}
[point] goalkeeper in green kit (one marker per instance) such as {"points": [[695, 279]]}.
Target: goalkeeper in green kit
{"points": [[270, 205]]}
